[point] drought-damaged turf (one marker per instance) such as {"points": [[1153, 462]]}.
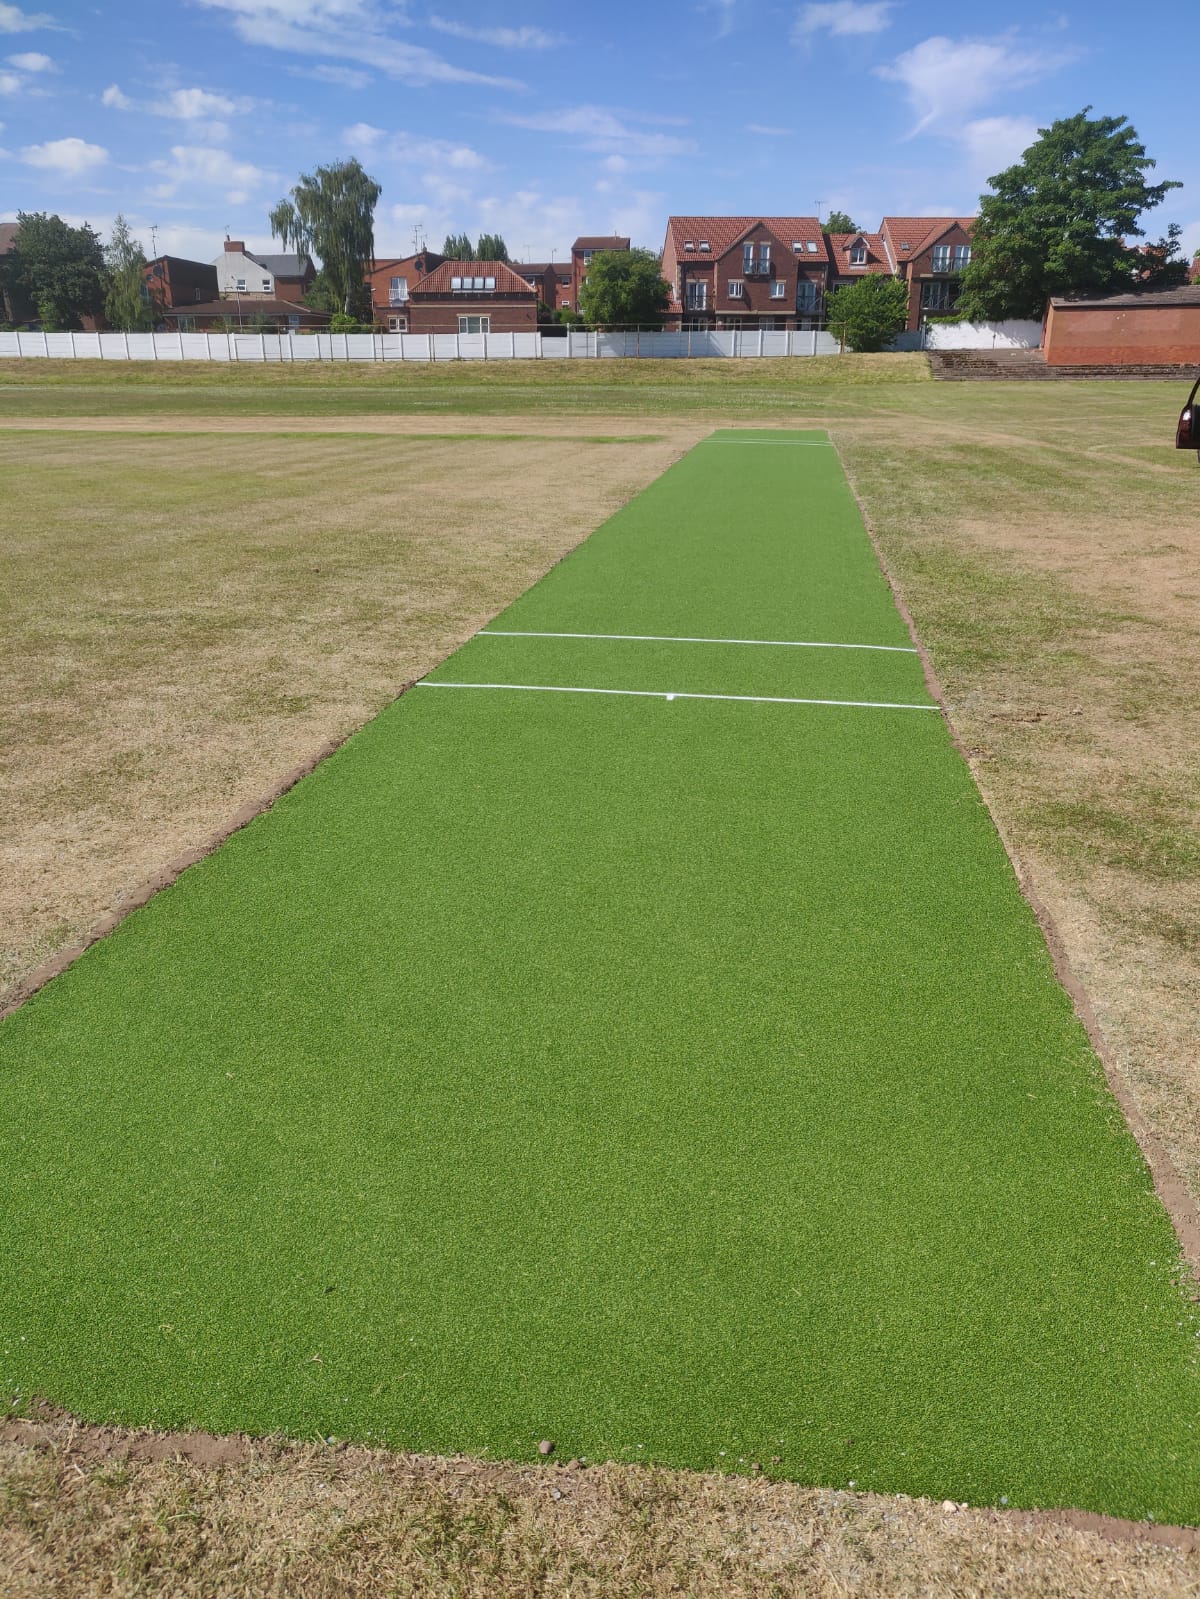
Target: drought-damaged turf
{"points": [[678, 1079]]}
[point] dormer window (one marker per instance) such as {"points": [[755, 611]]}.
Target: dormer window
{"points": [[858, 254]]}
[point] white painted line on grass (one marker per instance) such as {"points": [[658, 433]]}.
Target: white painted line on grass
{"points": [[769, 444], [675, 638], [680, 694]]}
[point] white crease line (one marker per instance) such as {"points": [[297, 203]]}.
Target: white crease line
{"points": [[675, 638], [680, 694], [787, 444]]}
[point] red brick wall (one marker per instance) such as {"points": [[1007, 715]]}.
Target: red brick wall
{"points": [[920, 267], [1122, 335], [441, 315]]}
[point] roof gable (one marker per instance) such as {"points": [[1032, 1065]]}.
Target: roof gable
{"points": [[723, 232], [439, 280]]}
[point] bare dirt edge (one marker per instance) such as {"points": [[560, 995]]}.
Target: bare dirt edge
{"points": [[1168, 1184], [58, 1429]]}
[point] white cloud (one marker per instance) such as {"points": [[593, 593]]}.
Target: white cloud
{"points": [[10, 82], [362, 136], [993, 143], [71, 157], [201, 167], [608, 132], [189, 105], [33, 61], [347, 30], [14, 20], [842, 17], [502, 38], [768, 133], [947, 78], [113, 97], [344, 77]]}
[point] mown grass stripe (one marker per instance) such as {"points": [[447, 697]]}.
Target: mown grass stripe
{"points": [[662, 638], [677, 694]]}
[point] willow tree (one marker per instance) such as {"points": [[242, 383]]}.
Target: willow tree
{"points": [[331, 214]]}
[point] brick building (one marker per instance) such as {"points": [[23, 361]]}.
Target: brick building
{"points": [[571, 277], [1146, 327], [391, 282], [748, 272], [172, 281], [856, 255], [472, 297], [282, 277], [929, 253]]}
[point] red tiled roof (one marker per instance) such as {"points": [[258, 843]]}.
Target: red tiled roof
{"points": [[723, 233], [245, 308], [608, 241], [438, 281], [919, 232], [839, 250]]}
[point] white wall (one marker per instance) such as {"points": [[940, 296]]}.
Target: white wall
{"points": [[232, 267], [1011, 335]]}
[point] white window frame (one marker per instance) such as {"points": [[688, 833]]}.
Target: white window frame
{"points": [[240, 285], [485, 324], [962, 256], [696, 294], [858, 255], [811, 246], [756, 259], [778, 289], [705, 247], [737, 289], [266, 283], [940, 260], [398, 291]]}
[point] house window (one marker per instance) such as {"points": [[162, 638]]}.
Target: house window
{"points": [[941, 258], [689, 244], [397, 324], [858, 255], [199, 296], [266, 283], [939, 297], [808, 295], [756, 258], [241, 285], [778, 289], [474, 324], [697, 294], [811, 247], [737, 289], [705, 245], [904, 244], [587, 257], [962, 256], [398, 291], [798, 245]]}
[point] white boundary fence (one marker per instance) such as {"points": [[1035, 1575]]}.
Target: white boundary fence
{"points": [[574, 344], [287, 347]]}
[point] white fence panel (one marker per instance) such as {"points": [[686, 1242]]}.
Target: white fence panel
{"points": [[1009, 335], [554, 349]]}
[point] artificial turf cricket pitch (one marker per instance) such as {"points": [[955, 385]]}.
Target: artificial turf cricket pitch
{"points": [[677, 1079]]}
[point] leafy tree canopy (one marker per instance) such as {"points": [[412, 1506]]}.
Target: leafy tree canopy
{"points": [[491, 247], [839, 222], [1057, 222], [868, 313], [624, 288], [60, 268], [127, 306], [331, 214]]}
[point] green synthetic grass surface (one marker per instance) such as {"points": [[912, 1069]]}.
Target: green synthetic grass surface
{"points": [[681, 1081]]}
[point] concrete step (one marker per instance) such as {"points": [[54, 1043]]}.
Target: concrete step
{"points": [[1025, 366]]}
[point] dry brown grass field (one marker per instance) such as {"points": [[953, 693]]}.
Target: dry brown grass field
{"points": [[191, 607]]}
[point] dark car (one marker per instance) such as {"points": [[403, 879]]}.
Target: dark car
{"points": [[1187, 435]]}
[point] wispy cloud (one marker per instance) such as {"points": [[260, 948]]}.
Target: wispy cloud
{"points": [[764, 132], [69, 157], [115, 100], [191, 105], [32, 61], [842, 17], [10, 82], [414, 151], [344, 77], [609, 132], [502, 38], [945, 79], [14, 20], [347, 30]]}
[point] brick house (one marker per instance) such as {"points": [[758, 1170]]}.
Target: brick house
{"points": [[571, 280], [282, 277], [472, 297], [391, 281], [929, 253], [542, 277], [255, 313], [856, 255], [748, 272], [171, 281]]}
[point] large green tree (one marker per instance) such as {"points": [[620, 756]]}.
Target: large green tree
{"points": [[331, 214], [127, 306], [1059, 220], [624, 288], [491, 247], [458, 247], [869, 313], [839, 222], [60, 269]]}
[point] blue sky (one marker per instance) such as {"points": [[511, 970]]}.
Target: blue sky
{"points": [[543, 121]]}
